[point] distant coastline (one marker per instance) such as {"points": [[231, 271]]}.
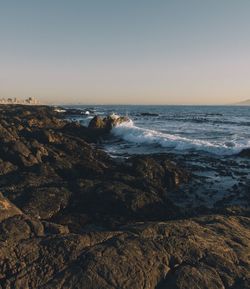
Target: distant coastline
{"points": [[24, 101], [245, 102]]}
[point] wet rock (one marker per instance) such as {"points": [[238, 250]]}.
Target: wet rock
{"points": [[245, 153], [108, 122], [149, 114], [97, 122], [160, 171]]}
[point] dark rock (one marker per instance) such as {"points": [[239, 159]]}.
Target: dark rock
{"points": [[97, 122], [72, 217], [43, 203], [7, 209], [149, 114], [159, 171], [19, 227], [52, 228], [245, 153], [6, 167], [175, 253], [106, 123]]}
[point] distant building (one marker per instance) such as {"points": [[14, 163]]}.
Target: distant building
{"points": [[28, 101]]}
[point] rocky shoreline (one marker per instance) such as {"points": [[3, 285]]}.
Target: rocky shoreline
{"points": [[73, 217]]}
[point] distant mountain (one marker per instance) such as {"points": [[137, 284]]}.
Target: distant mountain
{"points": [[245, 102]]}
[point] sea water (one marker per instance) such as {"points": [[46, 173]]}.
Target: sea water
{"points": [[220, 130]]}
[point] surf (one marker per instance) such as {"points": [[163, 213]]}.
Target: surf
{"points": [[131, 133]]}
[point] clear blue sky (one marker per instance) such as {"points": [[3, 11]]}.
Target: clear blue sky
{"points": [[126, 51]]}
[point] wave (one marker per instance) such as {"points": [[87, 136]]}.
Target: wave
{"points": [[131, 133]]}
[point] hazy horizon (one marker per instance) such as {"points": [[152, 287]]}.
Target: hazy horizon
{"points": [[126, 52]]}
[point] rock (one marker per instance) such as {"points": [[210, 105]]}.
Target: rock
{"points": [[7, 209], [73, 217], [21, 149], [6, 135], [18, 228], [108, 122], [114, 120], [177, 254], [245, 153], [6, 167], [52, 228], [97, 123], [18, 153], [43, 203], [50, 137], [159, 171], [191, 276], [115, 203]]}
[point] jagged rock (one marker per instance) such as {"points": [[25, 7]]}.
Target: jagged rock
{"points": [[206, 252], [97, 122], [18, 153], [7, 209], [43, 203], [108, 122], [20, 148], [19, 227], [52, 228], [6, 135], [6, 167], [160, 171], [73, 217]]}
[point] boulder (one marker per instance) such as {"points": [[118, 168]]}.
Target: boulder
{"points": [[108, 122], [245, 153], [97, 123], [6, 167]]}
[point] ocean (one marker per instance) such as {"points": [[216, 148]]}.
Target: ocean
{"points": [[216, 130]]}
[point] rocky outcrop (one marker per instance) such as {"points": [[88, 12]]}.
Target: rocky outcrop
{"points": [[72, 217], [205, 252], [106, 123]]}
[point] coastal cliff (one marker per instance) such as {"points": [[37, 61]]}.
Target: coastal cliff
{"points": [[73, 217]]}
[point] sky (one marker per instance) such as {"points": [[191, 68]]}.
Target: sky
{"points": [[125, 51]]}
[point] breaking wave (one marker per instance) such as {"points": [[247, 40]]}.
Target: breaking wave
{"points": [[133, 134]]}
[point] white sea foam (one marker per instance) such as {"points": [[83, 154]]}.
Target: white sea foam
{"points": [[131, 133]]}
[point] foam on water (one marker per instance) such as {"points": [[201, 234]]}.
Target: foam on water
{"points": [[220, 130], [134, 134]]}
